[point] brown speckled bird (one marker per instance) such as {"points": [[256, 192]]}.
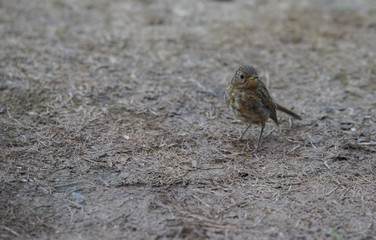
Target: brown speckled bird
{"points": [[249, 100]]}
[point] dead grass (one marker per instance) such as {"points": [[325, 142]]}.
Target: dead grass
{"points": [[114, 125]]}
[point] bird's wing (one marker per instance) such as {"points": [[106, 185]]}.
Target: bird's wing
{"points": [[267, 101]]}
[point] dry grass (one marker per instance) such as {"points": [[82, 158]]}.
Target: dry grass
{"points": [[114, 125]]}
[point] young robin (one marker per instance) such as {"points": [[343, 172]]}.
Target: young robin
{"points": [[249, 100]]}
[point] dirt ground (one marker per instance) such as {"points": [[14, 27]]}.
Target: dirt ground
{"points": [[113, 123]]}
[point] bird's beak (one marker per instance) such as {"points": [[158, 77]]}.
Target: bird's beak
{"points": [[255, 76]]}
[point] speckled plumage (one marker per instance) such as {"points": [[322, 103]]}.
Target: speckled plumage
{"points": [[249, 100]]}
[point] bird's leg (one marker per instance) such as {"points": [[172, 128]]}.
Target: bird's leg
{"points": [[241, 136], [258, 142]]}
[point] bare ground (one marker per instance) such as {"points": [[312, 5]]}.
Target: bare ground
{"points": [[113, 124]]}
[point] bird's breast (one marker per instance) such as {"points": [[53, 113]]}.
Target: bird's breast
{"points": [[245, 105]]}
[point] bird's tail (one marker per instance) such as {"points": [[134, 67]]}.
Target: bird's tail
{"points": [[289, 112]]}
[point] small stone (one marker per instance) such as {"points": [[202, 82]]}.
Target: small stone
{"points": [[346, 125], [194, 163], [77, 195], [316, 139]]}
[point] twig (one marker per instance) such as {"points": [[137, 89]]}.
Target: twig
{"points": [[68, 184], [71, 214], [293, 149], [368, 143], [14, 118], [10, 230], [326, 165], [178, 234], [329, 193], [310, 141], [77, 205]]}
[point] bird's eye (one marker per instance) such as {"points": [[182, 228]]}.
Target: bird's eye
{"points": [[242, 76]]}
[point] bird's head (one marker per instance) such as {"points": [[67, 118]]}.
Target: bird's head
{"points": [[245, 76]]}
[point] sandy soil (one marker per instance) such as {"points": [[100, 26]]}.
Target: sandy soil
{"points": [[113, 124]]}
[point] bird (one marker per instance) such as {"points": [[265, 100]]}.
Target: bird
{"points": [[248, 98]]}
